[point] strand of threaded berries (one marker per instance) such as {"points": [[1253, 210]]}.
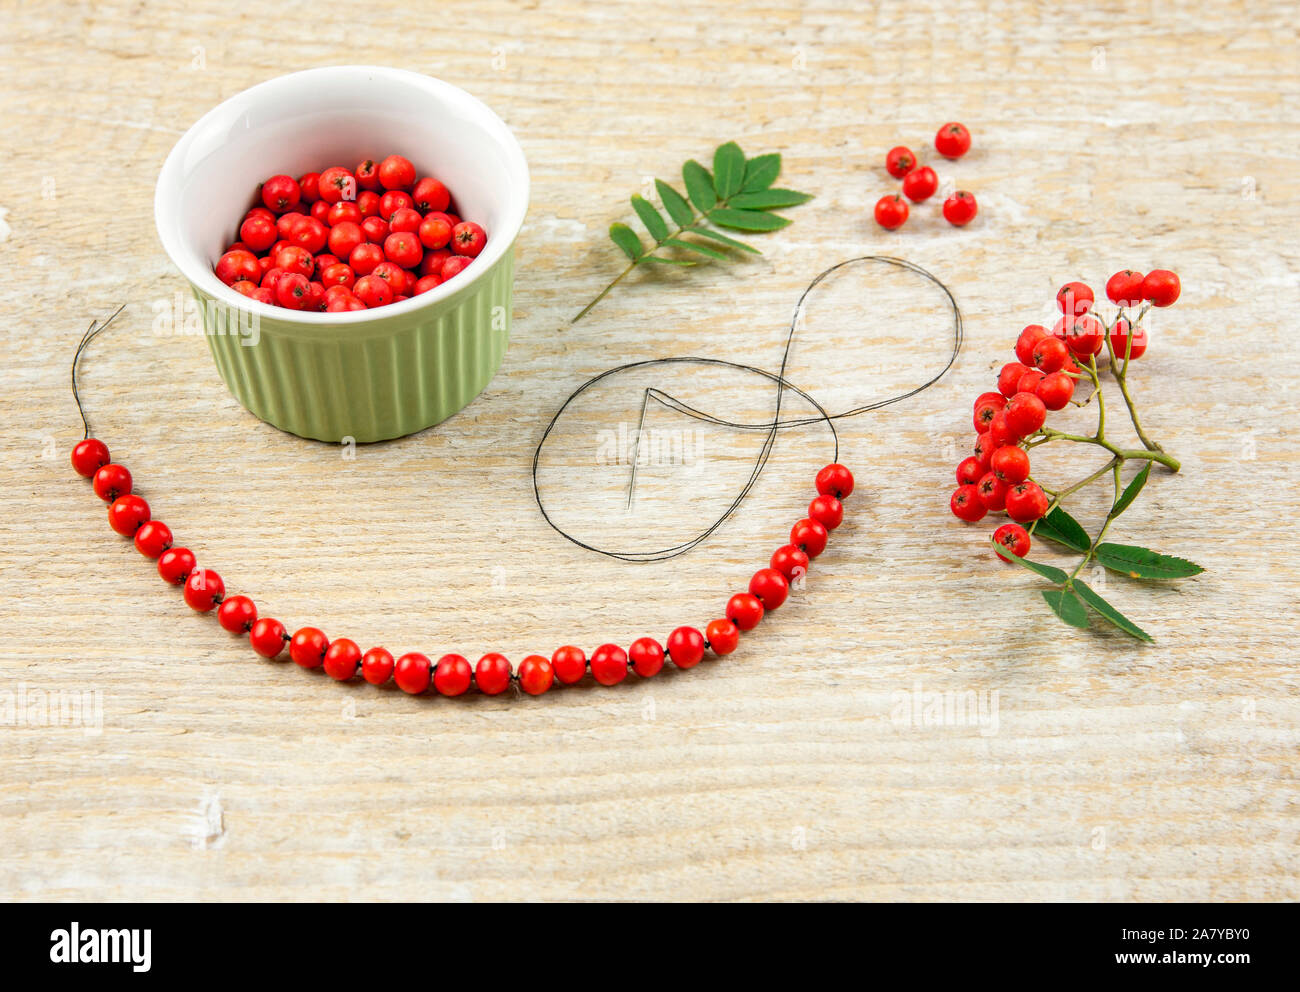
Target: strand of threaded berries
{"points": [[452, 675], [1011, 421]]}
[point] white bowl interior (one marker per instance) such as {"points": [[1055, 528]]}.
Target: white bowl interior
{"points": [[341, 115]]}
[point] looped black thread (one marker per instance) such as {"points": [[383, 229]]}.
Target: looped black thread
{"points": [[771, 427]]}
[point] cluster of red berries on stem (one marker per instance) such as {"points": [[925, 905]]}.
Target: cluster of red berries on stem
{"points": [[452, 675], [1011, 421], [920, 181], [340, 239]]}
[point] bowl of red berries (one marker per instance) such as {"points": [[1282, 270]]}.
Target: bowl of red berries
{"points": [[348, 233]]}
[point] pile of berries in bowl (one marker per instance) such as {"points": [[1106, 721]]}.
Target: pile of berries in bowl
{"points": [[349, 239]]}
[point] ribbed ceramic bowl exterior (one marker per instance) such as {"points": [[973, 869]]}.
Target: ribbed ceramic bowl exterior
{"points": [[366, 375], [417, 371]]}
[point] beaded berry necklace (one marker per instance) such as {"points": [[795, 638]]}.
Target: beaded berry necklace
{"points": [[204, 590]]}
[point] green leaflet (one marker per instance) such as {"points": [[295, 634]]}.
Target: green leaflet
{"points": [[678, 209], [761, 172], [626, 238], [1046, 571], [651, 218], [728, 170], [1143, 563], [747, 220], [1062, 528], [769, 199], [722, 239], [699, 186], [1109, 612], [1131, 491], [692, 246], [1066, 605]]}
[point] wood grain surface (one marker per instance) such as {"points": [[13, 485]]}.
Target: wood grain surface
{"points": [[812, 764]]}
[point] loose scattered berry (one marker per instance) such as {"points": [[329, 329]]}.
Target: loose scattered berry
{"points": [[899, 161], [952, 141], [920, 184], [960, 209], [891, 212]]}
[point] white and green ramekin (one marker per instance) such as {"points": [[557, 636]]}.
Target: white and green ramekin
{"points": [[367, 375]]}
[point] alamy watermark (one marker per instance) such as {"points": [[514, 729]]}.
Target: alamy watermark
{"points": [[648, 446], [921, 707], [60, 708], [182, 314]]}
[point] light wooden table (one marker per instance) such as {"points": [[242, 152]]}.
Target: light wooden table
{"points": [[1104, 138]]}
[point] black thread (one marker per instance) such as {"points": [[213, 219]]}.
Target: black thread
{"points": [[772, 426], [93, 331], [665, 399]]}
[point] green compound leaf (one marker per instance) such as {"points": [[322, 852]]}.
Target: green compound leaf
{"points": [[1109, 612], [747, 220], [1062, 528], [699, 186], [728, 170], [736, 196], [651, 218], [1131, 491], [722, 239], [769, 199], [761, 172], [691, 246], [678, 209], [1066, 605], [1143, 563], [626, 238]]}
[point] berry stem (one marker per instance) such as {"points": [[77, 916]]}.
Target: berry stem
{"points": [[1124, 454], [1120, 372], [1114, 467], [1164, 459], [1057, 497]]}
